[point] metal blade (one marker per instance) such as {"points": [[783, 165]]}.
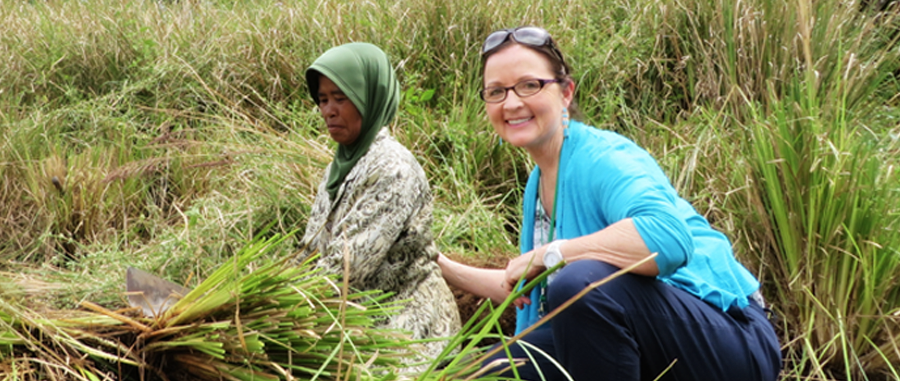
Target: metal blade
{"points": [[152, 293]]}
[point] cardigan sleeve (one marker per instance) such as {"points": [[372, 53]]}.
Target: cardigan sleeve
{"points": [[612, 179], [633, 186]]}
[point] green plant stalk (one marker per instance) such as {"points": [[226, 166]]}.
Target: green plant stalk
{"points": [[557, 310]]}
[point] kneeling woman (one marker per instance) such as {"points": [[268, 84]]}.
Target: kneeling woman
{"points": [[374, 202], [599, 202]]}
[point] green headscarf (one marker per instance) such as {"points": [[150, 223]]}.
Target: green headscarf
{"points": [[362, 71]]}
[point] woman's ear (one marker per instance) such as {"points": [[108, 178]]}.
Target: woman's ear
{"points": [[568, 92]]}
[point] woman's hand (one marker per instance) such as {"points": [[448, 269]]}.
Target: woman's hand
{"points": [[531, 264]]}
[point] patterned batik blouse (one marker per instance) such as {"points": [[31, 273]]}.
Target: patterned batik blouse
{"points": [[383, 220]]}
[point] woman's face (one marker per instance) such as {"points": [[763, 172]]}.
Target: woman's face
{"points": [[340, 114], [532, 121]]}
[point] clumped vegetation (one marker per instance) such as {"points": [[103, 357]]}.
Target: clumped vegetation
{"points": [[169, 135], [269, 323]]}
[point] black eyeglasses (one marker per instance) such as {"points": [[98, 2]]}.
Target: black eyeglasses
{"points": [[526, 88]]}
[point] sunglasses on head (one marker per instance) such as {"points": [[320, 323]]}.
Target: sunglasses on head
{"points": [[528, 35]]}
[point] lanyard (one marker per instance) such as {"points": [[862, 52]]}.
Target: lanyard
{"points": [[553, 212], [542, 304]]}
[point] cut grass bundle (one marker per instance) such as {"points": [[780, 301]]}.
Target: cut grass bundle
{"points": [[278, 320], [275, 320], [54, 345]]}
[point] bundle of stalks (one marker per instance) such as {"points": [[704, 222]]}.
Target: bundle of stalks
{"points": [[278, 321], [54, 345]]}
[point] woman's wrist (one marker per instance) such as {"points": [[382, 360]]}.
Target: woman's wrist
{"points": [[553, 254]]}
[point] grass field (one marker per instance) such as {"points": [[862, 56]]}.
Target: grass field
{"points": [[167, 135]]}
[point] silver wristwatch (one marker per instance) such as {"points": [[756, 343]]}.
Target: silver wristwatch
{"points": [[552, 257]]}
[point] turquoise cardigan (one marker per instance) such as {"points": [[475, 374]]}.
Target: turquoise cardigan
{"points": [[605, 177]]}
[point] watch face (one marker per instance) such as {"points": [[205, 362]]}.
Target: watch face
{"points": [[552, 257]]}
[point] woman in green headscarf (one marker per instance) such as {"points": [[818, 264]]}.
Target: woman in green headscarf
{"points": [[374, 202]]}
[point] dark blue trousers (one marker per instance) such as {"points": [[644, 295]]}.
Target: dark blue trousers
{"points": [[635, 327]]}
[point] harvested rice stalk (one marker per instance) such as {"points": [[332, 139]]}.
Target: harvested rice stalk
{"points": [[38, 347], [279, 321], [275, 320]]}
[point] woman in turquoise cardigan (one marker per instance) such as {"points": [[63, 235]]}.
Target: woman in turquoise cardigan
{"points": [[598, 202]]}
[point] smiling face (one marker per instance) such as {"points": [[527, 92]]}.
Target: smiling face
{"points": [[340, 114], [531, 122]]}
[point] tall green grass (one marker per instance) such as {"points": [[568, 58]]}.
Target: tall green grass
{"points": [[802, 90], [167, 135], [835, 265]]}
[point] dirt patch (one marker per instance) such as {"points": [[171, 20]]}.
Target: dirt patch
{"points": [[468, 303]]}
